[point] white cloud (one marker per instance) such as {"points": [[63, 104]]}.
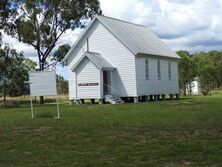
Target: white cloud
{"points": [[193, 25], [197, 21], [183, 24]]}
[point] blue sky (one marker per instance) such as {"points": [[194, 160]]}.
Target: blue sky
{"points": [[193, 25]]}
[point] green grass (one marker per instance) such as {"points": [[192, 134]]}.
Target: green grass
{"points": [[170, 133]]}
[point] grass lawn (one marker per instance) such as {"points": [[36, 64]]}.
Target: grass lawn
{"points": [[170, 133]]}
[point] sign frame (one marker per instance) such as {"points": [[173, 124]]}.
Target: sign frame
{"points": [[41, 74]]}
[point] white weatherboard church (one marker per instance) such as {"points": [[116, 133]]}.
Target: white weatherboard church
{"points": [[114, 60]]}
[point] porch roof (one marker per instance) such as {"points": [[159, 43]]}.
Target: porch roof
{"points": [[96, 59]]}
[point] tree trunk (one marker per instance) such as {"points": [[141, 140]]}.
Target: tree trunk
{"points": [[184, 90], [190, 89], [41, 100], [4, 95], [41, 65]]}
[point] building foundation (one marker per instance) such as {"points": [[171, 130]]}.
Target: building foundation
{"points": [[92, 101]]}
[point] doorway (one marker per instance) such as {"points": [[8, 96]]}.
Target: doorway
{"points": [[106, 82]]}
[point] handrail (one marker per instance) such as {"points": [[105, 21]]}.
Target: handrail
{"points": [[111, 91]]}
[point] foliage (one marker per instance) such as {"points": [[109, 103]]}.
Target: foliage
{"points": [[206, 66], [187, 70], [177, 133], [62, 85], [14, 72], [209, 70], [41, 23], [3, 12], [60, 53], [9, 104], [216, 58]]}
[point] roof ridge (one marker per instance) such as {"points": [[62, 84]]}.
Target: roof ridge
{"points": [[121, 20], [140, 39]]}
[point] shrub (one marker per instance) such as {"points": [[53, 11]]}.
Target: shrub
{"points": [[50, 100], [9, 104], [206, 93]]}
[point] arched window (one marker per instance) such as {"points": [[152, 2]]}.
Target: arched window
{"points": [[169, 70], [147, 69], [158, 70]]}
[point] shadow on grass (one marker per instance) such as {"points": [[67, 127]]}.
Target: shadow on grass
{"points": [[45, 115]]}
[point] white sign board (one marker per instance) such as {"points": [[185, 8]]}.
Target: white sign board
{"points": [[42, 83]]}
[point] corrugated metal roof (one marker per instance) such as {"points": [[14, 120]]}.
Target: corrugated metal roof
{"points": [[137, 38], [96, 59]]}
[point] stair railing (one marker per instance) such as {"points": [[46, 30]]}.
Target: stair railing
{"points": [[112, 92]]}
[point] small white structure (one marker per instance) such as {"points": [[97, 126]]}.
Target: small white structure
{"points": [[114, 58], [194, 88]]}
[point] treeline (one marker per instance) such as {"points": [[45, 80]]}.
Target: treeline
{"points": [[14, 68], [206, 66]]}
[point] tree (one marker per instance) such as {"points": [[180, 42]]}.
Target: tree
{"points": [[62, 85], [3, 12], [209, 70], [6, 56], [187, 70], [14, 72], [18, 85], [216, 58], [60, 53], [41, 23]]}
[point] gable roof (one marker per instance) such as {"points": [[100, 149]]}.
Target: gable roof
{"points": [[137, 38], [96, 59]]}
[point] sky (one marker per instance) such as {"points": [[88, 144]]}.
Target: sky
{"points": [[193, 25]]}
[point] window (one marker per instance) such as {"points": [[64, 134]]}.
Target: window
{"points": [[147, 69], [158, 70], [169, 70]]}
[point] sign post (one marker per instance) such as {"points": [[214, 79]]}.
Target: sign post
{"points": [[31, 107], [57, 101], [43, 83]]}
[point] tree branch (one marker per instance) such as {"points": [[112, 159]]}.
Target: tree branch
{"points": [[52, 45]]}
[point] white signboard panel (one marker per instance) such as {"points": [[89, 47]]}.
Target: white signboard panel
{"points": [[42, 83]]}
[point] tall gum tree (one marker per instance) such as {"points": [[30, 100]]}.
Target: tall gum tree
{"points": [[41, 23]]}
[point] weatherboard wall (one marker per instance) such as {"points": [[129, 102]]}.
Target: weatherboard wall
{"points": [[102, 41], [153, 85], [88, 73], [124, 76], [81, 48], [71, 74]]}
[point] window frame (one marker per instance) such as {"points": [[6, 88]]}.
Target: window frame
{"points": [[169, 70], [158, 70], [147, 70]]}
